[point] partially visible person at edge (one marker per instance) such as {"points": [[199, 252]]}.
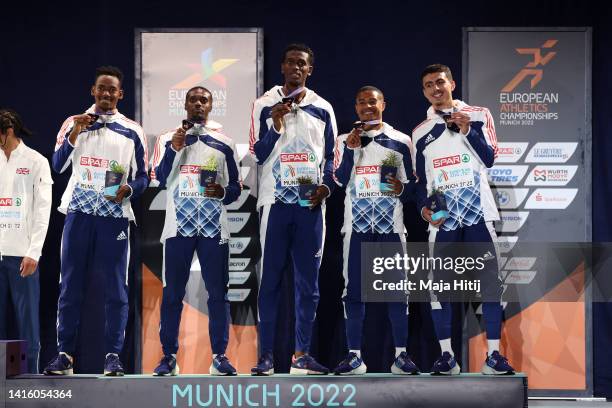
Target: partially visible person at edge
{"points": [[25, 191]]}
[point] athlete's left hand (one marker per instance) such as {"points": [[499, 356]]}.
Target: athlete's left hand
{"points": [[214, 190], [462, 120], [397, 185], [28, 266], [121, 193], [317, 198]]}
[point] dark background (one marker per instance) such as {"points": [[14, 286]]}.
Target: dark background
{"points": [[49, 53]]}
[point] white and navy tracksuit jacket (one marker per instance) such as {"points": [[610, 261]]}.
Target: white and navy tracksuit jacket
{"points": [[25, 204], [196, 223], [371, 215], [457, 164], [96, 230], [305, 147]]}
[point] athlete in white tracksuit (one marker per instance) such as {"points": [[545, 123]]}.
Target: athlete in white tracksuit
{"points": [[25, 204], [96, 229], [196, 221], [373, 212], [454, 147], [292, 135]]}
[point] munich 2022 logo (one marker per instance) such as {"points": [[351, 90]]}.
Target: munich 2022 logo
{"points": [[207, 72]]}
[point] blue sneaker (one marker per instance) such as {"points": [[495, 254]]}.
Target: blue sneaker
{"points": [[60, 365], [265, 365], [404, 365], [352, 364], [446, 365], [167, 366], [496, 364], [221, 366], [305, 364], [113, 366]]}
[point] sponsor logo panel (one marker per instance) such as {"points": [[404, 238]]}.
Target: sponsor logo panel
{"points": [[551, 152], [551, 198], [511, 221], [506, 175], [551, 175], [510, 198]]}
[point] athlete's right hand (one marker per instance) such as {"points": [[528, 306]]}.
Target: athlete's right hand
{"points": [[427, 213], [80, 123], [278, 111], [353, 140], [178, 139]]}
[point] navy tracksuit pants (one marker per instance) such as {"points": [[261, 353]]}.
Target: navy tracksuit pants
{"points": [[25, 296], [289, 230], [102, 246], [214, 263], [491, 285], [354, 308]]}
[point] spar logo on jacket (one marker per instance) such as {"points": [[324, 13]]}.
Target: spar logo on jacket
{"points": [[112, 139], [304, 148], [457, 164]]}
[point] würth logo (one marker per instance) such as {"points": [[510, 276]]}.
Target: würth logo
{"points": [[530, 70]]}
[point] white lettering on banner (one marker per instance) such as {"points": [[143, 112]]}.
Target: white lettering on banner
{"points": [[294, 165], [551, 198], [533, 97]]}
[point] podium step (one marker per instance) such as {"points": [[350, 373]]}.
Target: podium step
{"points": [[186, 391]]}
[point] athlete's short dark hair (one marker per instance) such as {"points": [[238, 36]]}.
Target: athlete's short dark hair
{"points": [[299, 47], [110, 71], [434, 68]]}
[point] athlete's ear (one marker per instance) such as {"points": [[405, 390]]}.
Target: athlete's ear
{"points": [[453, 85]]}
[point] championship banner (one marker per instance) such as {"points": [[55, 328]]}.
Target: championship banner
{"points": [[229, 63], [536, 83]]}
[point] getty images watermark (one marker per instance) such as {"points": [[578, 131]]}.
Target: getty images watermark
{"points": [[404, 265], [507, 271]]}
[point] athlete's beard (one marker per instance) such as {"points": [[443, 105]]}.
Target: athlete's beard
{"points": [[198, 119]]}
